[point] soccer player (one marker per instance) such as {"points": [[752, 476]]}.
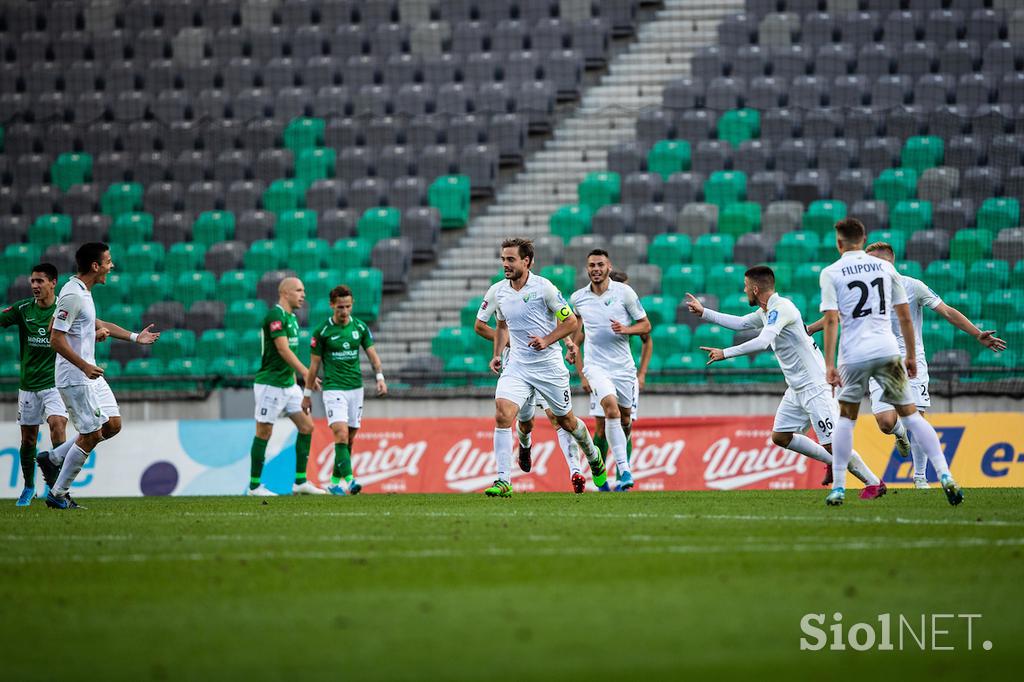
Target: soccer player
{"points": [[38, 397], [524, 424], [534, 316], [276, 392], [919, 296], [646, 351], [607, 368], [337, 342], [808, 400], [860, 292], [89, 400]]}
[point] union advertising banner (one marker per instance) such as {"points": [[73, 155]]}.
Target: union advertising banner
{"points": [[455, 455]]}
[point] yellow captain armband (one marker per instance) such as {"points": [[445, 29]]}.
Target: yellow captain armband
{"points": [[563, 312]]}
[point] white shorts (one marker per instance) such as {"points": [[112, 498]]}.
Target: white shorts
{"points": [[274, 402], [35, 407], [890, 374], [553, 388], [918, 389], [344, 406], [623, 387], [812, 407], [90, 405]]}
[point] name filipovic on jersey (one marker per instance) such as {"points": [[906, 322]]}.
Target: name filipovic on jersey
{"points": [[858, 268]]}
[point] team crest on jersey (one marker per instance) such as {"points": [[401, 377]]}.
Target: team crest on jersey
{"points": [[355, 335], [527, 297], [609, 302]]}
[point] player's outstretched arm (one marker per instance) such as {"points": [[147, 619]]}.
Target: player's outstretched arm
{"points": [[733, 322], [146, 337], [961, 322], [378, 370]]}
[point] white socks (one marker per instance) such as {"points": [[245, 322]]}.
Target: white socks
{"points": [[859, 469], [503, 453], [927, 441], [570, 450], [617, 444], [73, 463], [58, 454], [807, 447], [856, 465], [586, 443], [842, 451], [525, 439]]}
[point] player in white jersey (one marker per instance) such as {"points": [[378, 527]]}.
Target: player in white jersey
{"points": [[524, 424], [532, 318], [605, 309], [646, 352], [919, 297], [808, 401], [89, 400], [860, 292]]}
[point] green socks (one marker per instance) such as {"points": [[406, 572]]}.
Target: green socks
{"points": [[257, 455], [302, 442], [28, 464], [342, 463], [602, 445]]}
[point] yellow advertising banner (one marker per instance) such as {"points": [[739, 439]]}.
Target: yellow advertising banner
{"points": [[984, 449]]}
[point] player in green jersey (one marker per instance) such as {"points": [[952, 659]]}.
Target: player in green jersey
{"points": [[38, 398], [336, 343], [276, 392]]}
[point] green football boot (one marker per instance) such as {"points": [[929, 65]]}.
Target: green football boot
{"points": [[499, 489]]}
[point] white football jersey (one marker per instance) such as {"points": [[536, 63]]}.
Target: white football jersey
{"points": [[76, 317], [529, 312], [863, 289], [919, 295], [801, 362], [604, 348]]}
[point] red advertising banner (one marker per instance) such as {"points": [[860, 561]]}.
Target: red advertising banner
{"points": [[457, 455]]}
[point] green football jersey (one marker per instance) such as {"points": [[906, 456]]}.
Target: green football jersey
{"points": [[37, 357], [274, 371], [338, 346]]}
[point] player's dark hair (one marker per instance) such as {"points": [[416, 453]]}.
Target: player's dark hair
{"points": [[340, 291], [89, 253], [618, 276], [48, 269], [851, 230], [599, 252], [880, 246], [761, 275], [525, 247]]}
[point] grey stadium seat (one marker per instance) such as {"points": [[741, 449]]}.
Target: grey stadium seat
{"points": [[926, 246], [422, 226], [683, 188], [394, 258], [641, 188], [253, 225], [938, 184], [766, 186], [696, 219], [874, 214], [613, 219], [1009, 245], [224, 256], [336, 223], [953, 214], [629, 250], [752, 248]]}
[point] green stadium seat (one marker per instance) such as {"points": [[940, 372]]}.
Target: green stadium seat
{"points": [[937, 334], [737, 125], [562, 276], [712, 249], [112, 369], [669, 156], [467, 316], [121, 197], [682, 368], [679, 280], [351, 253], [285, 194], [712, 335], [967, 342], [143, 257], [265, 255], [184, 257], [213, 344], [822, 215], [10, 369], [308, 254], [124, 315], [997, 213], [945, 275], [896, 184], [600, 189], [71, 168], [725, 279], [138, 370], [498, 277], [970, 245], [897, 240], [303, 351], [248, 344], [670, 249], [768, 366], [367, 286], [922, 152], [174, 343], [783, 275], [379, 223], [724, 372], [131, 228], [190, 287], [671, 339], [236, 284], [315, 164], [735, 304], [1004, 306], [966, 301], [725, 187], [740, 218], [452, 342], [910, 216], [186, 367], [1003, 365], [232, 368], [660, 309], [570, 221], [52, 228], [244, 314], [1017, 275], [799, 300], [214, 226], [459, 366], [807, 279], [318, 283], [797, 247], [450, 195], [910, 268], [826, 252], [304, 133], [988, 275], [1013, 334], [9, 344], [118, 289]]}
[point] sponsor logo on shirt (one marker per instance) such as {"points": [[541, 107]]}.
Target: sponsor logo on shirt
{"points": [[483, 306], [62, 315], [312, 342], [276, 326]]}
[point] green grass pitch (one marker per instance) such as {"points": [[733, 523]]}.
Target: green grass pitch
{"points": [[687, 585]]}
